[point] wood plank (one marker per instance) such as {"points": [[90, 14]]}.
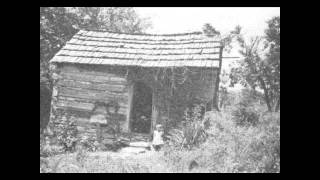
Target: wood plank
{"points": [[93, 95], [86, 104], [93, 91], [92, 85], [92, 78], [75, 105], [81, 107], [85, 100]]}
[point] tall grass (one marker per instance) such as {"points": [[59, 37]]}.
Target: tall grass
{"points": [[232, 148]]}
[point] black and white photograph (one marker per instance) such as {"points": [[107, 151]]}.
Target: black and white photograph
{"points": [[159, 89]]}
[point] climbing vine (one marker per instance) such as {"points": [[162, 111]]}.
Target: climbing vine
{"points": [[174, 87]]}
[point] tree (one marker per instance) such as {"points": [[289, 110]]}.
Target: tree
{"points": [[273, 56], [210, 31], [115, 19], [56, 27], [260, 67], [59, 24], [226, 40]]}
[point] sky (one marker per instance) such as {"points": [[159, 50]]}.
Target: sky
{"points": [[170, 20]]}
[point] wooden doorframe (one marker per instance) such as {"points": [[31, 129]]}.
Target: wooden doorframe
{"points": [[154, 113], [130, 94], [130, 106]]}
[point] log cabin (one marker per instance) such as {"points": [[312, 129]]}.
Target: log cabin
{"points": [[147, 79]]}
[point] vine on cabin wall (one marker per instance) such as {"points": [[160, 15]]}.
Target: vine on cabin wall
{"points": [[173, 86]]}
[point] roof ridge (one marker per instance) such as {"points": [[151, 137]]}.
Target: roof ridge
{"points": [[145, 34]]}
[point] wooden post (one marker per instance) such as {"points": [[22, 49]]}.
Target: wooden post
{"points": [[215, 103]]}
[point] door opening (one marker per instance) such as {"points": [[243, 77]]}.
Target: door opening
{"points": [[141, 111]]}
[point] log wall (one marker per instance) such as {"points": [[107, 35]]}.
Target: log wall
{"points": [[80, 87]]}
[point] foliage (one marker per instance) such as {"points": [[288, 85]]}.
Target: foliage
{"points": [[59, 24], [66, 132], [246, 112], [260, 67], [245, 115], [89, 143], [81, 155], [191, 131], [228, 149], [115, 19], [46, 149], [210, 31], [44, 165], [225, 97], [226, 38], [56, 27], [82, 162], [231, 148]]}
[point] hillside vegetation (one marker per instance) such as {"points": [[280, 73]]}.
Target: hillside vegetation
{"points": [[243, 137]]}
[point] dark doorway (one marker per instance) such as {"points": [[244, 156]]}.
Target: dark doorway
{"points": [[141, 111]]}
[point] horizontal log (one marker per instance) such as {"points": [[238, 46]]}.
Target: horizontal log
{"points": [[87, 127], [79, 114], [76, 105], [69, 68], [93, 85], [93, 95], [94, 70], [121, 104], [93, 78], [83, 106]]}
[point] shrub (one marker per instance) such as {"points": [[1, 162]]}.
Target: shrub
{"points": [[245, 115], [46, 149], [232, 148], [65, 131], [81, 155], [192, 131], [89, 143], [246, 112], [44, 165]]}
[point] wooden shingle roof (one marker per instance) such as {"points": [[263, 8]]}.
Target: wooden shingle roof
{"points": [[146, 50]]}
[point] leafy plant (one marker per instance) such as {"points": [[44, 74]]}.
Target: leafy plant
{"points": [[66, 132], [260, 68], [232, 149], [192, 130], [89, 143], [245, 115], [81, 155]]}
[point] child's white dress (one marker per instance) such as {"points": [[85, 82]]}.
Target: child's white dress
{"points": [[157, 138]]}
